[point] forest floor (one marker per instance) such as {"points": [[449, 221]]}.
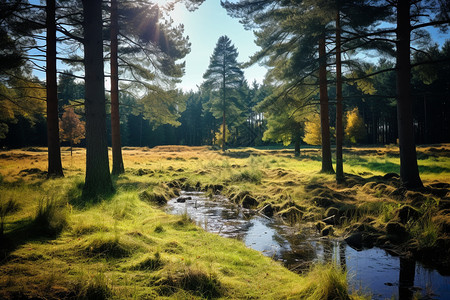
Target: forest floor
{"points": [[58, 245]]}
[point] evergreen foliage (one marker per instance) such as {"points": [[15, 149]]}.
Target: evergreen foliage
{"points": [[223, 78]]}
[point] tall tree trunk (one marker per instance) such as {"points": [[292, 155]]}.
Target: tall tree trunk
{"points": [[98, 180], [224, 135], [409, 171], [54, 149], [297, 138], [327, 165], [117, 161], [339, 126]]}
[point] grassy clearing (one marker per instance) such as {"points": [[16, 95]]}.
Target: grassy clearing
{"points": [[57, 244]]}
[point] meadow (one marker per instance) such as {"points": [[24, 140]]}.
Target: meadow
{"points": [[57, 244]]}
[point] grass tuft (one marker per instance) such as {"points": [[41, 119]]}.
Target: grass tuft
{"points": [[248, 175], [50, 219], [7, 208], [198, 282], [110, 246], [149, 263], [96, 288], [326, 282]]}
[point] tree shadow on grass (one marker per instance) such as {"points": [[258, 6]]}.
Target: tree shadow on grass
{"points": [[384, 167], [48, 223], [79, 200], [433, 169], [389, 167]]}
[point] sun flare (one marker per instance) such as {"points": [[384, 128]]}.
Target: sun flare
{"points": [[174, 10]]}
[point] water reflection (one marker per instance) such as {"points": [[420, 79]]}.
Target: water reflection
{"points": [[372, 270]]}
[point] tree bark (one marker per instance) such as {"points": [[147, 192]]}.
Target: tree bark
{"points": [[98, 180], [54, 149], [224, 124], [339, 126], [223, 130], [409, 171], [297, 147], [117, 161], [327, 166]]}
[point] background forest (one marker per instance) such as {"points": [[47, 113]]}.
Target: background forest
{"points": [[320, 59], [197, 125]]}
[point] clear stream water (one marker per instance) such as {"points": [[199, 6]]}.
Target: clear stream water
{"points": [[373, 271]]}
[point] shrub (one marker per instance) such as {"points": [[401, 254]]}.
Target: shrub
{"points": [[355, 130]]}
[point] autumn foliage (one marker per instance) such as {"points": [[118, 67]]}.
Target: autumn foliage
{"points": [[355, 131], [72, 129], [312, 131]]}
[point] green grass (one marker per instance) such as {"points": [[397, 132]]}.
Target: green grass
{"points": [[126, 246]]}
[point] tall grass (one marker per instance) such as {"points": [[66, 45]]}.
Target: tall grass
{"points": [[424, 230], [326, 282], [6, 208], [248, 175], [51, 217]]}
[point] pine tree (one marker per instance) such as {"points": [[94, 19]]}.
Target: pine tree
{"points": [[54, 150], [98, 179], [117, 165], [224, 76], [149, 50], [293, 36]]}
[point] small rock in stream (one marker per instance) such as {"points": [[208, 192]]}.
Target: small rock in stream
{"points": [[183, 199]]}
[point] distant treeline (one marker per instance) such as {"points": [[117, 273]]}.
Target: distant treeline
{"points": [[198, 126]]}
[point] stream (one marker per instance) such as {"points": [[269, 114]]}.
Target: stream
{"points": [[371, 271]]}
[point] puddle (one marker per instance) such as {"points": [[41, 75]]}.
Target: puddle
{"points": [[373, 270]]}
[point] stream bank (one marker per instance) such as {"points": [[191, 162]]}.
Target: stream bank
{"points": [[374, 270]]}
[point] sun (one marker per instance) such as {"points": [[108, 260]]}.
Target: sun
{"points": [[174, 9], [162, 3]]}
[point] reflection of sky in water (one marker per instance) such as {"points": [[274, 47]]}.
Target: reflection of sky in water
{"points": [[261, 237], [372, 271]]}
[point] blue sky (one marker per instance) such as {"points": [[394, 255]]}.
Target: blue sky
{"points": [[204, 26]]}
